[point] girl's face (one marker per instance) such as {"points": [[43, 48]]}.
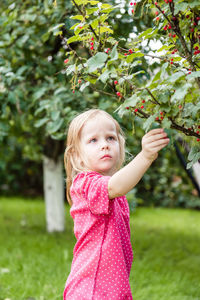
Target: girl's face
{"points": [[100, 145]]}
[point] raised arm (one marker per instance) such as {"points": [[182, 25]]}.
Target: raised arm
{"points": [[127, 177]]}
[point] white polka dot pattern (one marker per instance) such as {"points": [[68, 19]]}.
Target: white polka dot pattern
{"points": [[103, 253]]}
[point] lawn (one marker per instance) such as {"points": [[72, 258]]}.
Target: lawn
{"points": [[34, 265]]}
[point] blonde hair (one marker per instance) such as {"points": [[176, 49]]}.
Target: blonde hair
{"points": [[73, 157]]}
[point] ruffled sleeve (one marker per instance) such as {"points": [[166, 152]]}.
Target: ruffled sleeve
{"points": [[94, 188]]}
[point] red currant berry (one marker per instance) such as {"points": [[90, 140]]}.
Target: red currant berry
{"points": [[66, 60], [118, 94], [136, 110], [115, 82]]}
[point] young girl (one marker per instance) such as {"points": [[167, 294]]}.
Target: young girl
{"points": [[96, 188]]}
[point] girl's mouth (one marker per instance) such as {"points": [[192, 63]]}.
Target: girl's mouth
{"points": [[106, 156]]}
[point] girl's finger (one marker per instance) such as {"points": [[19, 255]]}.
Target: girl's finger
{"points": [[160, 143], [154, 131], [155, 137]]}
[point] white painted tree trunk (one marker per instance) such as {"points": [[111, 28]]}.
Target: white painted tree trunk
{"points": [[54, 194], [196, 169]]}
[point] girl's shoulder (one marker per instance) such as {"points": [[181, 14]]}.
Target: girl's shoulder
{"points": [[84, 179], [86, 175]]}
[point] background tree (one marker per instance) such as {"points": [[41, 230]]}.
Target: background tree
{"points": [[36, 104]]}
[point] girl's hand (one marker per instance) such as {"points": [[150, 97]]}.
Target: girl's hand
{"points": [[152, 142]]}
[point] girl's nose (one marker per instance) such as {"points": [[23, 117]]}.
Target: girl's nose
{"points": [[104, 145]]}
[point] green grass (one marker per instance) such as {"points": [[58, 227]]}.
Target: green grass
{"points": [[34, 264]]}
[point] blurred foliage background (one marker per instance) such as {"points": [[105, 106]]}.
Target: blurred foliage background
{"points": [[37, 104]]}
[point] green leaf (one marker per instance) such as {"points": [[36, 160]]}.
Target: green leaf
{"points": [[55, 115], [90, 11], [181, 92], [131, 57], [193, 152], [147, 124], [52, 29], [180, 7], [173, 78], [148, 33], [84, 85], [104, 29], [54, 126], [92, 80], [149, 30], [114, 53], [77, 17], [132, 101], [94, 23], [82, 2], [165, 47], [193, 75], [93, 2], [41, 122], [38, 94], [193, 156], [104, 76], [166, 123], [71, 69], [96, 61], [194, 4], [60, 90], [74, 38]]}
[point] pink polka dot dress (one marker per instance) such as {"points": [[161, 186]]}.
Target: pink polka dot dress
{"points": [[103, 253]]}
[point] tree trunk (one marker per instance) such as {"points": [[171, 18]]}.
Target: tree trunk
{"points": [[54, 194], [196, 170]]}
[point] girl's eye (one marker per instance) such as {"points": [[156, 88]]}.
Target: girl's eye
{"points": [[111, 138], [93, 140]]}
